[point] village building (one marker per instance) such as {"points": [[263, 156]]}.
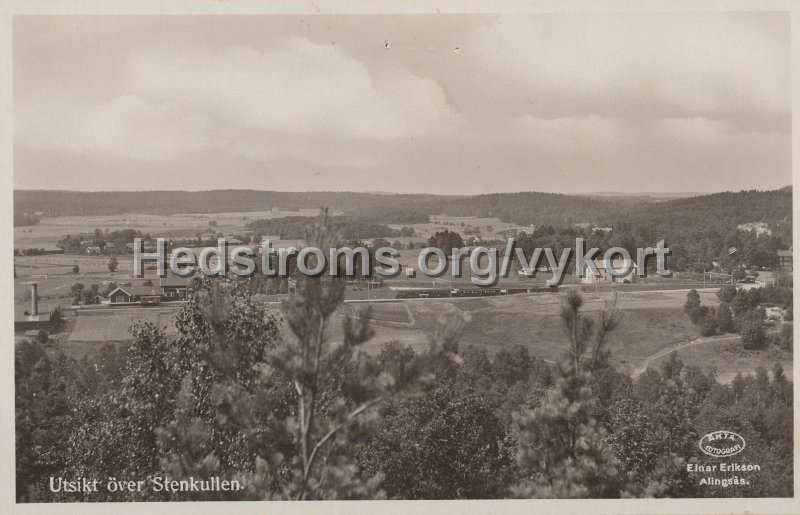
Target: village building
{"points": [[175, 288], [757, 227], [136, 294], [785, 260], [167, 290], [605, 277]]}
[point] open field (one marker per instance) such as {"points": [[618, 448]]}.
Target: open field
{"points": [[391, 312], [106, 325], [642, 330], [651, 324], [454, 224], [49, 230]]}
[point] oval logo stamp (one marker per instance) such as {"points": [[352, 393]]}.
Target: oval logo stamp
{"points": [[721, 444]]}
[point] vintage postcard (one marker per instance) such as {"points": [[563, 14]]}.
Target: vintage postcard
{"points": [[399, 257]]}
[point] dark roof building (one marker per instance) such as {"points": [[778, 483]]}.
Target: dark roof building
{"points": [[171, 288], [785, 260]]}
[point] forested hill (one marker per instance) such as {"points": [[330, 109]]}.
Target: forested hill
{"points": [[714, 212], [65, 203], [556, 209], [706, 211], [524, 208]]}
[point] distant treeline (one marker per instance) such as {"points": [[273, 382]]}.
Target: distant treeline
{"points": [[539, 208], [83, 203], [720, 209], [522, 208]]}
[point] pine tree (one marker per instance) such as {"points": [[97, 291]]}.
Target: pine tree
{"points": [[563, 451], [692, 301], [312, 395]]}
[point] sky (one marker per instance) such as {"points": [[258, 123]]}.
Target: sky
{"points": [[445, 104]]}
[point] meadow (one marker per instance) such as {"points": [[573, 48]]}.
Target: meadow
{"points": [[651, 325], [51, 229]]}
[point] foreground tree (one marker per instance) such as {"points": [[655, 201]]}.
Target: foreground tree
{"points": [[562, 449], [446, 444], [449, 442], [314, 396]]}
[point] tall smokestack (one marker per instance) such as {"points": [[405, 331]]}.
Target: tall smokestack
{"points": [[34, 300]]}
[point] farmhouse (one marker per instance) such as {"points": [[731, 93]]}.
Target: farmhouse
{"points": [[140, 294], [175, 288], [169, 289], [757, 227], [785, 260], [605, 277]]}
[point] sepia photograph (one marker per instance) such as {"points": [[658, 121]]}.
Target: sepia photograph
{"points": [[420, 255]]}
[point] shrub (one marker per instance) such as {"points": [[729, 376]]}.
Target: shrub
{"points": [[739, 305], [724, 319], [698, 313], [692, 301], [708, 325], [726, 293], [784, 340], [752, 332]]}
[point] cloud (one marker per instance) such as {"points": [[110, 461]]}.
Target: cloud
{"points": [[129, 127], [557, 102], [300, 88], [698, 63], [301, 101], [126, 125], [566, 134]]}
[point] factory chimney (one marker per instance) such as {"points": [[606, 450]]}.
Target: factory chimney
{"points": [[34, 300]]}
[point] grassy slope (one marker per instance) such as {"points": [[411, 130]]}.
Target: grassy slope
{"points": [[497, 323]]}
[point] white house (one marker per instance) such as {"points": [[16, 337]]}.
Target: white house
{"points": [[604, 277]]}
